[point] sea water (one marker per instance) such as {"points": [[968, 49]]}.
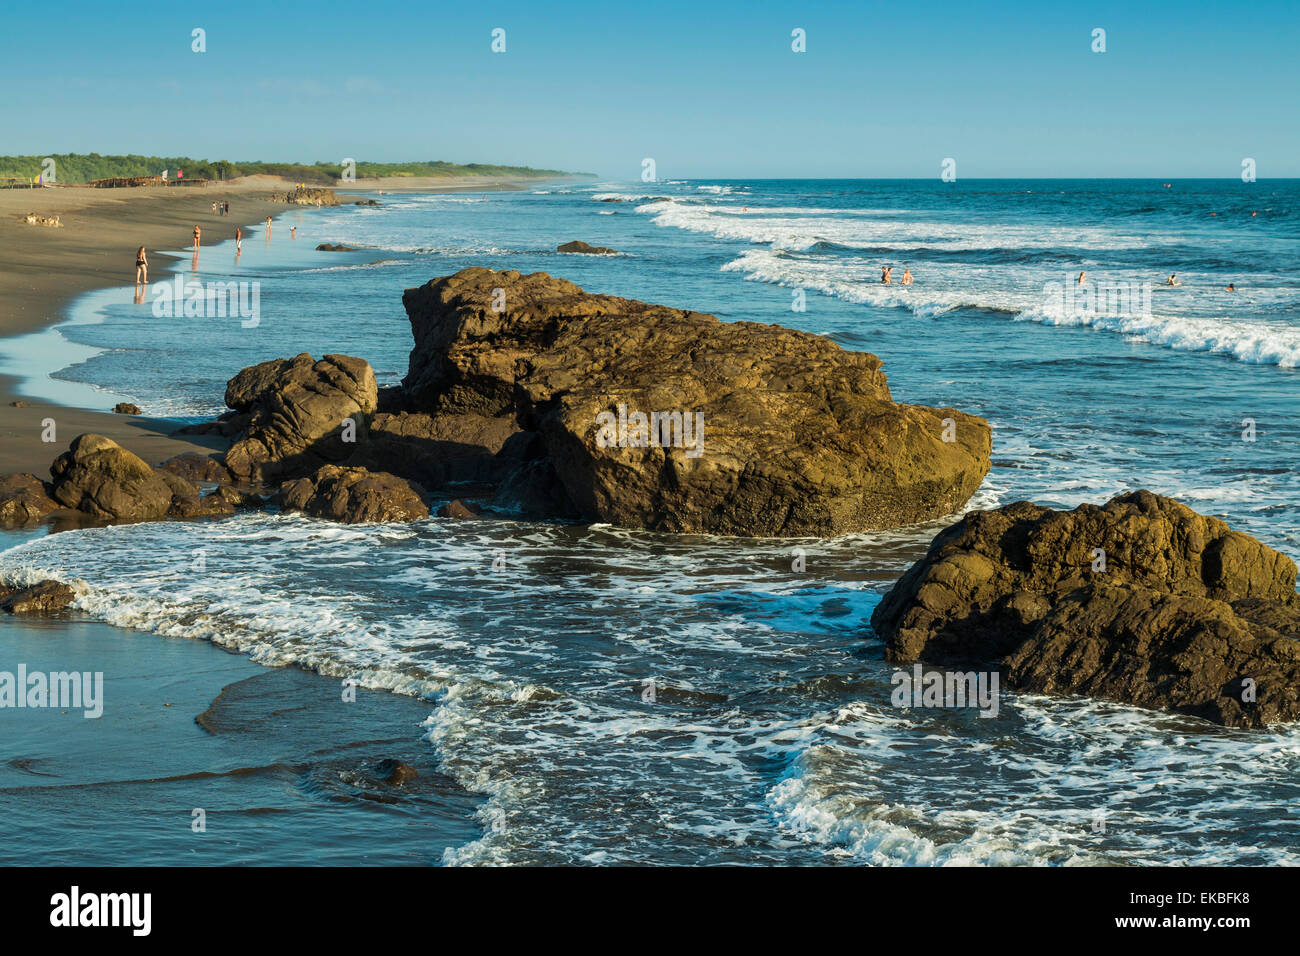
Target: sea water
{"points": [[619, 696]]}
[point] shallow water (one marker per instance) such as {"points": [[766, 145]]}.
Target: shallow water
{"points": [[619, 696]]}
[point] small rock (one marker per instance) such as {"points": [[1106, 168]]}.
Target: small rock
{"points": [[44, 597], [334, 247], [459, 509], [394, 772], [126, 408]]}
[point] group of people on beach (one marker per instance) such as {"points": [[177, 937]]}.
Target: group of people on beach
{"points": [[221, 208], [142, 257]]}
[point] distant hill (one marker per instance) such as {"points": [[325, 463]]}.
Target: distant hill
{"points": [[83, 167]]}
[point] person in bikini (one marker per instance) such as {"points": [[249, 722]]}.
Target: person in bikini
{"points": [[907, 277], [1173, 280], [141, 267], [196, 238], [886, 274]]}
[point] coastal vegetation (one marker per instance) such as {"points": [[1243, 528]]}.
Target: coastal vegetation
{"points": [[84, 167]]}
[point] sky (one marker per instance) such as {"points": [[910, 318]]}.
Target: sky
{"points": [[707, 90]]}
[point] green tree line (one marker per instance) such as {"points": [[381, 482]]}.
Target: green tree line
{"points": [[83, 167]]}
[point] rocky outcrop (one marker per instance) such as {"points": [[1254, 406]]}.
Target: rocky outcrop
{"points": [[581, 248], [25, 499], [1141, 601], [126, 408], [756, 429], [354, 495], [301, 413], [308, 196], [44, 597], [334, 247]]}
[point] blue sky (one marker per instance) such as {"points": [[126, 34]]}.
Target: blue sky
{"points": [[706, 89]]}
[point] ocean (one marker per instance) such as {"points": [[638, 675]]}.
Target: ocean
{"points": [[615, 696]]}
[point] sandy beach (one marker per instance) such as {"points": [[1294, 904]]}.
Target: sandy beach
{"points": [[45, 267]]}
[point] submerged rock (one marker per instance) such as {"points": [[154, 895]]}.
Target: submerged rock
{"points": [[354, 495], [580, 247], [335, 247], [395, 772], [652, 417], [44, 597], [1141, 601]]}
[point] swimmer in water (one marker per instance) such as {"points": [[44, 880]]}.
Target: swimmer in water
{"points": [[1079, 281], [907, 277], [885, 274], [1173, 280], [1232, 287]]}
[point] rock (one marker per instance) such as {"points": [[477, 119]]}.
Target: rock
{"points": [[126, 408], [196, 467], [331, 247], [394, 772], [18, 404], [366, 202], [577, 246], [1184, 612], [799, 437], [32, 219], [44, 597], [460, 510], [99, 477], [308, 196], [301, 414], [25, 499], [354, 495]]}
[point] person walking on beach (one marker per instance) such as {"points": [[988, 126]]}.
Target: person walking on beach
{"points": [[268, 228], [141, 267], [196, 237], [907, 277], [214, 207], [239, 241]]}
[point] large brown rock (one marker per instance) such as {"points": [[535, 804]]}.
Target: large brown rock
{"points": [[25, 499], [1141, 600], [99, 477], [800, 437], [298, 409], [354, 495]]}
